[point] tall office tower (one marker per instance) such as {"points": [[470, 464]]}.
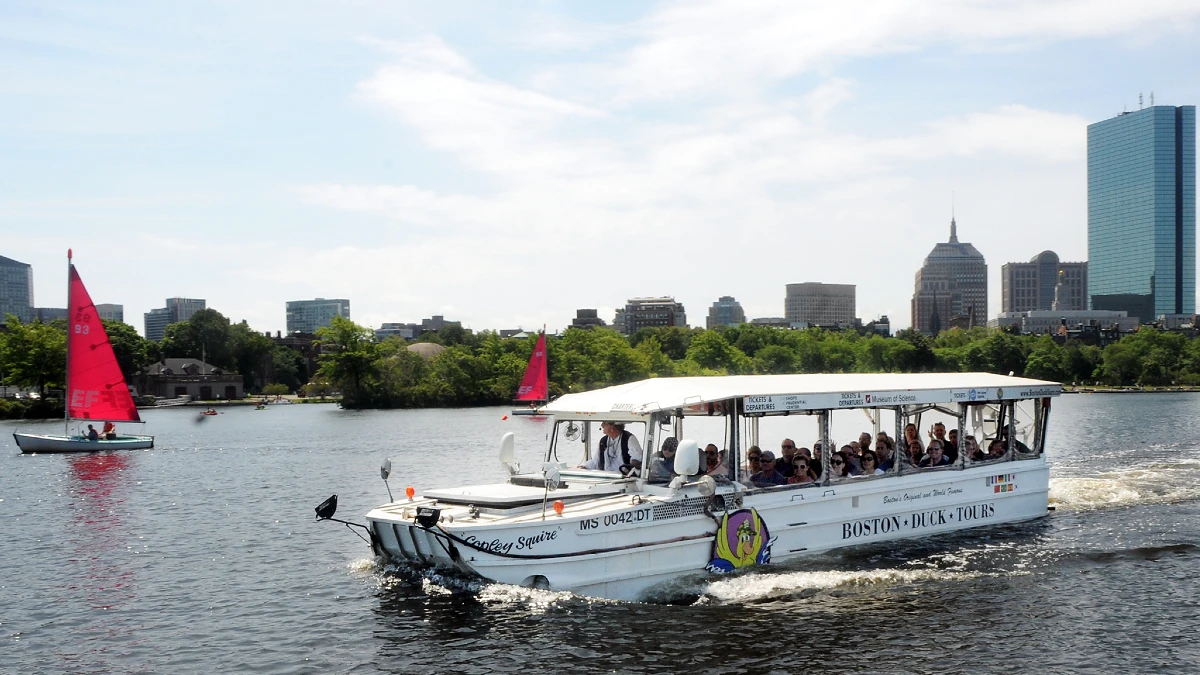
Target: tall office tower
{"points": [[177, 309], [652, 312], [306, 316], [16, 289], [1031, 286], [1142, 212], [111, 312], [725, 312], [951, 287], [818, 304]]}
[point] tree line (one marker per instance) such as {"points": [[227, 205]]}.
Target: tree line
{"points": [[483, 368]]}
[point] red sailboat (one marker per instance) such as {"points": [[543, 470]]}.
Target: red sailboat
{"points": [[535, 386], [96, 389]]}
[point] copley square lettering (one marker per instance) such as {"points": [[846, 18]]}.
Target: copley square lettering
{"points": [[504, 547], [869, 527]]}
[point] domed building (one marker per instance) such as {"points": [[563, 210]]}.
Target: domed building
{"points": [[951, 287], [426, 350]]}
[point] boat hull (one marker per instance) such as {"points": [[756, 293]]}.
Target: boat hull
{"points": [[51, 443], [620, 549]]}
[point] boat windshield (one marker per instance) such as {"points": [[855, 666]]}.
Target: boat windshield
{"points": [[577, 444]]}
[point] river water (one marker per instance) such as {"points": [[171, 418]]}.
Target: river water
{"points": [[202, 556]]}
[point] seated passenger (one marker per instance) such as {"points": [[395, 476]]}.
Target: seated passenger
{"points": [[92, 434], [885, 452], [787, 450], [714, 465], [767, 476], [839, 466], [662, 466], [801, 472], [950, 447], [851, 458], [753, 456], [109, 433], [997, 449], [911, 443], [974, 452], [864, 440], [870, 464], [935, 458]]}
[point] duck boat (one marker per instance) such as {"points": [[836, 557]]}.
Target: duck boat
{"points": [[96, 388], [619, 536]]}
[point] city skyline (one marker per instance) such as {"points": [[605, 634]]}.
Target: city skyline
{"points": [[507, 166]]}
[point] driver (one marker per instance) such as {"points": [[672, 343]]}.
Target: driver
{"points": [[619, 450]]}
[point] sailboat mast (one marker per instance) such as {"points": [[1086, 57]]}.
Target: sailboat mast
{"points": [[546, 370], [67, 383]]}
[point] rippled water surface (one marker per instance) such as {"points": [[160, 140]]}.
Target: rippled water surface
{"points": [[202, 556]]}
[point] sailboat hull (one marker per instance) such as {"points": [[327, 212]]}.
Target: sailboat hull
{"points": [[50, 443]]}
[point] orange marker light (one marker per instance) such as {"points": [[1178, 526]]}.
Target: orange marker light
{"points": [[410, 491], [559, 506], [504, 418]]}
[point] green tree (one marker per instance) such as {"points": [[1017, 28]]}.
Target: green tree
{"points": [[34, 355], [711, 351], [133, 351], [207, 335], [347, 360]]}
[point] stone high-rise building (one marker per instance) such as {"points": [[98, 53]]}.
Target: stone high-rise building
{"points": [[642, 313], [1030, 286], [725, 312], [951, 287], [818, 304]]}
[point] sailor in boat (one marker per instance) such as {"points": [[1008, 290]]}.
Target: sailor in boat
{"points": [[92, 434], [110, 432], [619, 450]]}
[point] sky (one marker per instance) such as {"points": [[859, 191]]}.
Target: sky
{"points": [[504, 164]]}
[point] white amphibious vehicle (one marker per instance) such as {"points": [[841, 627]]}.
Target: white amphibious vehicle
{"points": [[605, 534]]}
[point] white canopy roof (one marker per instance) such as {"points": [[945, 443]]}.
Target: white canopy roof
{"points": [[778, 393]]}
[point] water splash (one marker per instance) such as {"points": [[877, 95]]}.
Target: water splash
{"points": [[755, 587], [1166, 482]]}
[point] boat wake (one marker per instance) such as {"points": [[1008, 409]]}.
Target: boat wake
{"points": [[1164, 482]]}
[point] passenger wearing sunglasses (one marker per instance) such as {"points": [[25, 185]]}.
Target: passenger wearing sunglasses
{"points": [[753, 457], [870, 464], [801, 472], [839, 465], [767, 476], [787, 451]]}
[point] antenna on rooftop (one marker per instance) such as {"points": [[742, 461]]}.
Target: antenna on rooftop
{"points": [[1151, 99], [1139, 100]]}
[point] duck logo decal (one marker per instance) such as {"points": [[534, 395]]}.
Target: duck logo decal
{"points": [[742, 540]]}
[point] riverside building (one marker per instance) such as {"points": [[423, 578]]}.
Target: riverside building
{"points": [[951, 287], [654, 312], [16, 289], [1142, 212], [816, 304], [725, 312], [1032, 286], [306, 316], [177, 310]]}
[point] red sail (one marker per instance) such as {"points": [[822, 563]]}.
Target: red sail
{"points": [[534, 386], [96, 387]]}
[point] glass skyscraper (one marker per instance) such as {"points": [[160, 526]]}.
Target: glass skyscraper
{"points": [[1142, 212]]}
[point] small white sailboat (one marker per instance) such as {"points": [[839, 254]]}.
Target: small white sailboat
{"points": [[96, 388]]}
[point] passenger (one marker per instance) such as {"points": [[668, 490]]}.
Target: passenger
{"points": [[619, 450], [912, 445], [753, 457], [92, 434], [839, 466], [851, 458], [801, 472], [110, 431], [787, 451], [935, 458], [768, 476], [997, 449], [817, 461], [662, 468], [870, 464], [864, 440], [950, 448], [974, 452], [714, 465], [938, 431], [885, 451]]}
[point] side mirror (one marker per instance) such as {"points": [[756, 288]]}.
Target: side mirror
{"points": [[385, 469], [687, 458]]}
